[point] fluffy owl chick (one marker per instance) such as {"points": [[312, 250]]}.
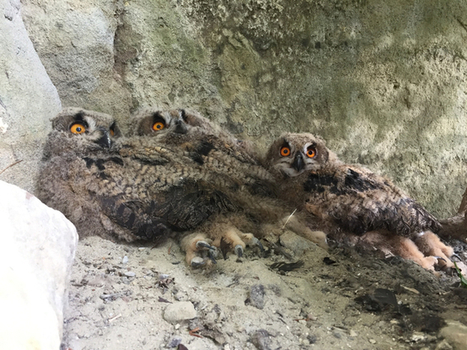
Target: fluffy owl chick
{"points": [[350, 196], [87, 175], [216, 162], [192, 133], [106, 194], [79, 146]]}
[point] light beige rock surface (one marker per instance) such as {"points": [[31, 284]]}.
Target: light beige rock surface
{"points": [[383, 82]]}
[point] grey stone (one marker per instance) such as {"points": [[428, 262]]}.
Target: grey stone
{"points": [[261, 339], [180, 311], [37, 248], [174, 342], [27, 100], [75, 41], [257, 294]]}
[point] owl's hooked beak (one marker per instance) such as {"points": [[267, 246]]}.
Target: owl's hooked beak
{"points": [[298, 163], [180, 127], [104, 141]]}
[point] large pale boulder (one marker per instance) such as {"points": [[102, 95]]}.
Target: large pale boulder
{"points": [[27, 100], [37, 248]]}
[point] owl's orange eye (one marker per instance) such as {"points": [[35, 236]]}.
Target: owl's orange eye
{"points": [[311, 152], [285, 151], [112, 133], [77, 128], [158, 126]]}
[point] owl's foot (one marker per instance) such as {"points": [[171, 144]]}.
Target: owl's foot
{"points": [[406, 248], [234, 238], [199, 253], [409, 250], [295, 224], [430, 245]]}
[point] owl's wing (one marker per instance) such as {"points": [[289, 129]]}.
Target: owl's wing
{"points": [[361, 201], [145, 155], [134, 215], [178, 208], [189, 206]]}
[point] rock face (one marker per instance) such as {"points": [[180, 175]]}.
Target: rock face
{"points": [[37, 248], [27, 100], [383, 83]]}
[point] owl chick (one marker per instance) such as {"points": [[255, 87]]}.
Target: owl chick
{"points": [[107, 194], [80, 145], [353, 198], [218, 163]]}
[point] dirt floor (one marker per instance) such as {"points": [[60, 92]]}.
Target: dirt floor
{"points": [[121, 296]]}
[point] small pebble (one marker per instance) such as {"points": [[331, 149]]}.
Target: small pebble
{"points": [[372, 341], [418, 337], [130, 274], [312, 338], [183, 310], [174, 342], [257, 296], [261, 340], [125, 260]]}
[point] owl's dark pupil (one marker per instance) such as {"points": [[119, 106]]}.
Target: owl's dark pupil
{"points": [[78, 129]]}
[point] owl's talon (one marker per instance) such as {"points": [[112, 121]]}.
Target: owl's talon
{"points": [[203, 244], [456, 256], [212, 255], [197, 262], [239, 250], [257, 242]]}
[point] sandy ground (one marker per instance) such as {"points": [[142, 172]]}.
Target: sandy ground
{"points": [[120, 297]]}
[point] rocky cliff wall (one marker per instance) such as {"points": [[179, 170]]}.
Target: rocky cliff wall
{"points": [[384, 82]]}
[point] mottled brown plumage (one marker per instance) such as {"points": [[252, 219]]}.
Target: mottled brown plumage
{"points": [[182, 174], [216, 162], [72, 179], [349, 197]]}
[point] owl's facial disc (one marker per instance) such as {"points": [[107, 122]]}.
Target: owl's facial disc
{"points": [[290, 162]]}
